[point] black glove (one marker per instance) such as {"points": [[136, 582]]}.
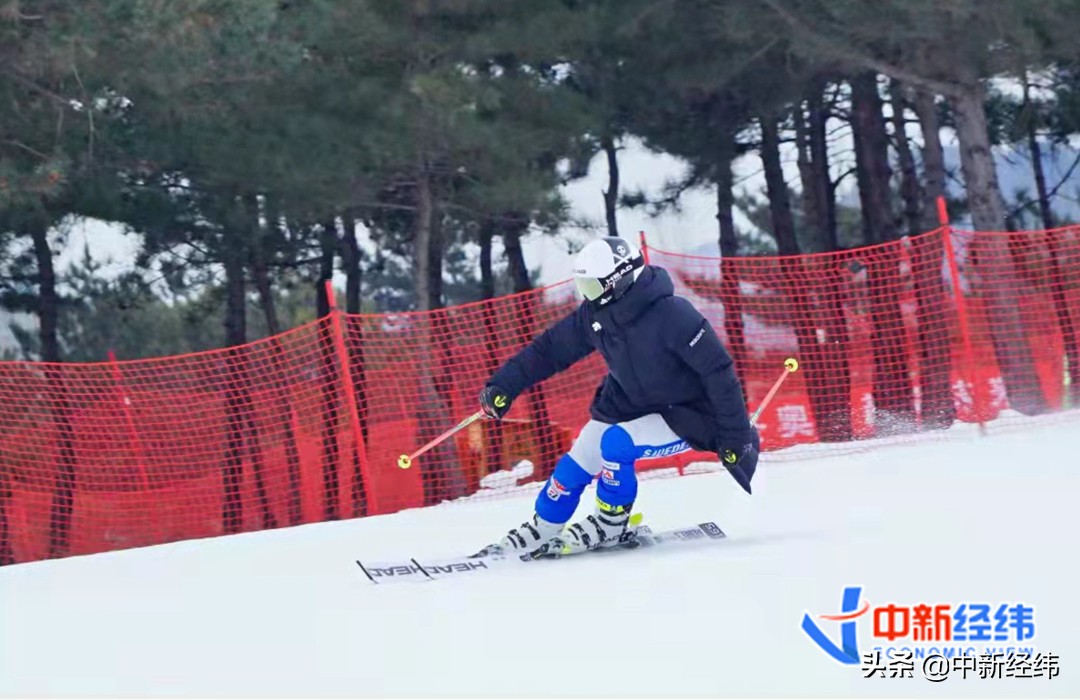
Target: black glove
{"points": [[739, 453], [495, 401]]}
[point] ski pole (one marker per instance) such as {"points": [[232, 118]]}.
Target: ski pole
{"points": [[405, 461], [790, 366]]}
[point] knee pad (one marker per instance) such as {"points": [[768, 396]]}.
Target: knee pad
{"points": [[616, 445], [560, 496], [617, 487]]}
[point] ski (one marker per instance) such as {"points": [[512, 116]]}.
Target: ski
{"points": [[467, 566]]}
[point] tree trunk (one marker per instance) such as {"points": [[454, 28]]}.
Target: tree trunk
{"points": [[725, 205], [811, 239], [824, 398], [818, 238], [933, 157], [1054, 247], [825, 301], [246, 405], [328, 245], [935, 333], [331, 414], [235, 292], [48, 300], [779, 203], [819, 202], [998, 285], [448, 481], [240, 410], [63, 503], [1040, 180], [7, 551], [819, 159], [235, 336], [423, 245], [833, 411], [909, 176], [1036, 158], [935, 338], [7, 548], [351, 257], [449, 485], [893, 393], [515, 258], [436, 251], [493, 430], [1061, 309], [872, 159], [433, 408], [936, 408], [261, 252], [730, 290], [976, 158], [487, 276], [350, 262], [611, 194]]}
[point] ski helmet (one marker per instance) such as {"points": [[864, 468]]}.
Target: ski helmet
{"points": [[606, 268]]}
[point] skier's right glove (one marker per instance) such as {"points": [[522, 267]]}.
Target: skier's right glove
{"points": [[740, 455], [495, 401]]}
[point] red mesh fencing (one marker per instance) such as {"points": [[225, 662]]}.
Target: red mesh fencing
{"points": [[897, 339]]}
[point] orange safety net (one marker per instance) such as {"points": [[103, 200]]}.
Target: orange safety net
{"points": [[896, 339]]}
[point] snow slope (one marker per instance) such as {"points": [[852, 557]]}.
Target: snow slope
{"points": [[289, 613]]}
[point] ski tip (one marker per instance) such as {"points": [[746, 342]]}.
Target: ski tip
{"points": [[487, 551], [636, 519]]}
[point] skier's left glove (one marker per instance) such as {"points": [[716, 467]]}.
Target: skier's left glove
{"points": [[495, 401], [739, 453]]}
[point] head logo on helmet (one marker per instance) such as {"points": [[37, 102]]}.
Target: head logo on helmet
{"points": [[606, 268]]}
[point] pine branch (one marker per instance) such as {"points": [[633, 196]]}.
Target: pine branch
{"points": [[22, 146], [859, 58], [1051, 193], [34, 86]]}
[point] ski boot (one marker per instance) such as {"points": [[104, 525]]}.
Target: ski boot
{"points": [[609, 527], [525, 540]]}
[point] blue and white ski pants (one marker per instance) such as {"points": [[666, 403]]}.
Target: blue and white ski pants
{"points": [[609, 451]]}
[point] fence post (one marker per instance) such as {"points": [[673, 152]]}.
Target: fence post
{"points": [[942, 212], [978, 405], [350, 395], [129, 420], [644, 247]]}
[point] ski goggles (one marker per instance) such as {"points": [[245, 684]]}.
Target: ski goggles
{"points": [[590, 287], [593, 288]]}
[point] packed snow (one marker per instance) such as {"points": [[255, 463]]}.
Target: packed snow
{"points": [[962, 518]]}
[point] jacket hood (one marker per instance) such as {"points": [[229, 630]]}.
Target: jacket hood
{"points": [[652, 285]]}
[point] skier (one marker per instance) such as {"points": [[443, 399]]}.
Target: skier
{"points": [[670, 388]]}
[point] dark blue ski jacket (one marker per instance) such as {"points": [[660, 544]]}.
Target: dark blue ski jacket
{"points": [[662, 356]]}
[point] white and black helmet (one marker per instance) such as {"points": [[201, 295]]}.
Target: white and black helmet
{"points": [[606, 268]]}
